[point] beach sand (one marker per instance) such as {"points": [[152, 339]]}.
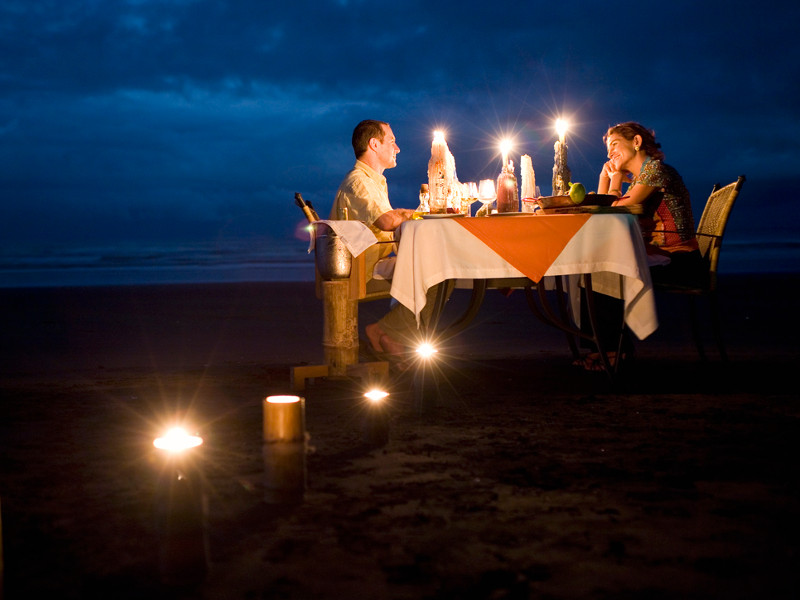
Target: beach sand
{"points": [[526, 478]]}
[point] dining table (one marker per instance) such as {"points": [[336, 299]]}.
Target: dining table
{"points": [[599, 251]]}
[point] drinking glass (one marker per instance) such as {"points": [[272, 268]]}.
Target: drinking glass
{"points": [[486, 194]]}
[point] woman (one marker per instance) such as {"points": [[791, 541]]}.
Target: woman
{"points": [[636, 161]]}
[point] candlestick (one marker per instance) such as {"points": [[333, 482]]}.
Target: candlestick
{"points": [[181, 509], [284, 449]]}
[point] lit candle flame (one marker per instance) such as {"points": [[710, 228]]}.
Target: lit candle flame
{"points": [[561, 129], [505, 148], [177, 439], [283, 399], [426, 350], [375, 396]]}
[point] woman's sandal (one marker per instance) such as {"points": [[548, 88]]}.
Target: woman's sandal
{"points": [[594, 362]]}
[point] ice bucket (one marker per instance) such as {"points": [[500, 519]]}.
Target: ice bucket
{"points": [[331, 255]]}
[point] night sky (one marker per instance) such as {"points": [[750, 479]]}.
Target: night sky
{"points": [[139, 121]]}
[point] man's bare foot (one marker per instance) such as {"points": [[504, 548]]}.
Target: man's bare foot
{"points": [[391, 346], [374, 335]]}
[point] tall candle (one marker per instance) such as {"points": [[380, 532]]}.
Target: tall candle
{"points": [[441, 173], [561, 172]]}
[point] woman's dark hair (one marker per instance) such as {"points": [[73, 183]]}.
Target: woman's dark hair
{"points": [[630, 130], [364, 132]]}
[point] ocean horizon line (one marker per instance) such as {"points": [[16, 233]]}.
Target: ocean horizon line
{"points": [[208, 263]]}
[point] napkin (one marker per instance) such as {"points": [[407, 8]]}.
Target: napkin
{"points": [[355, 235]]}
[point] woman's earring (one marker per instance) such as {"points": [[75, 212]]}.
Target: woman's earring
{"points": [[636, 148]]}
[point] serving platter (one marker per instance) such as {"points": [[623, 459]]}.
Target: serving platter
{"points": [[442, 216], [635, 209], [566, 201]]}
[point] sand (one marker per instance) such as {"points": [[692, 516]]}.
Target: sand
{"points": [[519, 477]]}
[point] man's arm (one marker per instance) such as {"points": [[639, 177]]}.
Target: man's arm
{"points": [[391, 220]]}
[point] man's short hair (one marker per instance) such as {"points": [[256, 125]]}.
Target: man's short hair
{"points": [[364, 132]]}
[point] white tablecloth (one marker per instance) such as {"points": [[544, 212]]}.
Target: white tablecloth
{"points": [[609, 246]]}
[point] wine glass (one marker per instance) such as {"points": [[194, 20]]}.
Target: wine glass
{"points": [[486, 194]]}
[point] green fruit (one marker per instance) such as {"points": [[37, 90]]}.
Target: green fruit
{"points": [[577, 192]]}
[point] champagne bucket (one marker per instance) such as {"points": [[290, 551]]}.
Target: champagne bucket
{"points": [[332, 257]]}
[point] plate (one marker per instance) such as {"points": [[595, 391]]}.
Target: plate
{"points": [[566, 201], [442, 216]]}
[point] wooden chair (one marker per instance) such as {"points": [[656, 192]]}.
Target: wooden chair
{"points": [[710, 232], [340, 300]]}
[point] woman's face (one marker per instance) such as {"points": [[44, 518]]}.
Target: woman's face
{"points": [[621, 151]]}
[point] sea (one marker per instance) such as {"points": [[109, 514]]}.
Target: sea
{"points": [[159, 264]]}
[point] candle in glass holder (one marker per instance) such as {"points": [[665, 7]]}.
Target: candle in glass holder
{"points": [[507, 196]]}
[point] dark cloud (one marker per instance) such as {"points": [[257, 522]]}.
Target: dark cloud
{"points": [[124, 119]]}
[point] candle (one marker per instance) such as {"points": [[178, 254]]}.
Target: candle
{"points": [[181, 509], [441, 174], [376, 422], [507, 195], [284, 449], [561, 172]]}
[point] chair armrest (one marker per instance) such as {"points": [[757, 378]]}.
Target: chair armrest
{"points": [[359, 277]]}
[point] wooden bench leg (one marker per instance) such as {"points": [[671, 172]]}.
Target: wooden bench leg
{"points": [[340, 326]]}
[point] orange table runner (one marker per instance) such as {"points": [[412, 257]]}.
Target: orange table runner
{"points": [[511, 237]]}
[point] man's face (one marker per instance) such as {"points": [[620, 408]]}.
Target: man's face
{"points": [[387, 149]]}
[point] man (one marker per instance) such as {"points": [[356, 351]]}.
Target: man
{"points": [[364, 192], [365, 195]]}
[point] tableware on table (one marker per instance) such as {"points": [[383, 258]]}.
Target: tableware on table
{"points": [[566, 201], [442, 216], [531, 205], [486, 194], [507, 195]]}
